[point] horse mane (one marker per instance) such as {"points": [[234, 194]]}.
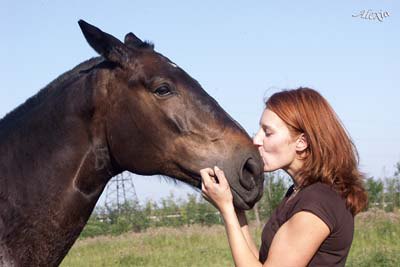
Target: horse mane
{"points": [[60, 82], [146, 45]]}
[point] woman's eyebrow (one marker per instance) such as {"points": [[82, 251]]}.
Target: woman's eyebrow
{"points": [[265, 126]]}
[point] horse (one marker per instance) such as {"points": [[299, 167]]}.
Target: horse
{"points": [[130, 108]]}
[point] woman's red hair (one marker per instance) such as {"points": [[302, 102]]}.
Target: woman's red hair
{"points": [[331, 156]]}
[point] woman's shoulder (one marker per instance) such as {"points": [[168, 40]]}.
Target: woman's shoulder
{"points": [[324, 195], [322, 200], [320, 189], [315, 189]]}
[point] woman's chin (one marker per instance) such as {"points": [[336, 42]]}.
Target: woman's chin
{"points": [[269, 168]]}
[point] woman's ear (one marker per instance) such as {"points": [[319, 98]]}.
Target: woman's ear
{"points": [[301, 143]]}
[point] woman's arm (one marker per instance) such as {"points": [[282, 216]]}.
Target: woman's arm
{"points": [[220, 195], [297, 240], [241, 215], [294, 244], [241, 251]]}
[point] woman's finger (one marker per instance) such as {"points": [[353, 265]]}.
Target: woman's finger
{"points": [[205, 196], [221, 176], [210, 200], [203, 186], [208, 171], [206, 176]]}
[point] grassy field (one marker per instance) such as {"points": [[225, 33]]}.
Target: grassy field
{"points": [[376, 243]]}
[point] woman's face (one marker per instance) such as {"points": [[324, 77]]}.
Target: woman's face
{"points": [[274, 142]]}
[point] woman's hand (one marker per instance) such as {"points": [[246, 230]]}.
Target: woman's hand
{"points": [[215, 188]]}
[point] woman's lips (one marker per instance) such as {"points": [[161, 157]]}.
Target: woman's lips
{"points": [[262, 156]]}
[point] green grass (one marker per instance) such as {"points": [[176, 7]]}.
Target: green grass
{"points": [[186, 246], [376, 240], [376, 243]]}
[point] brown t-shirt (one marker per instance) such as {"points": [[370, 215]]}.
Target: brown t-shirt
{"points": [[323, 201]]}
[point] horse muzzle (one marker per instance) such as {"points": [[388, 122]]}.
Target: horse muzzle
{"points": [[247, 186]]}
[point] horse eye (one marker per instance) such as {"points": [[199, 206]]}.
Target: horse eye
{"points": [[163, 90]]}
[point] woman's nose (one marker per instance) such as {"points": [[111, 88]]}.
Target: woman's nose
{"points": [[257, 139]]}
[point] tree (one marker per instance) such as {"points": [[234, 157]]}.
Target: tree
{"points": [[397, 171], [392, 194], [392, 190], [275, 187], [375, 192]]}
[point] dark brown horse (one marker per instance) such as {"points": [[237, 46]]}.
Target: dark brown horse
{"points": [[130, 109]]}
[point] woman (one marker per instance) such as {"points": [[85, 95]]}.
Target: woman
{"points": [[314, 223]]}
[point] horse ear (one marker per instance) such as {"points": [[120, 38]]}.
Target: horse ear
{"points": [[132, 40], [105, 44]]}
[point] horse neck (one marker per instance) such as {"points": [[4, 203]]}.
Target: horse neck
{"points": [[54, 165]]}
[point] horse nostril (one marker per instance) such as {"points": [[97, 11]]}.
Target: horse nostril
{"points": [[249, 172]]}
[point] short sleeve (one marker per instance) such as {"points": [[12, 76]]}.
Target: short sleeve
{"points": [[322, 201]]}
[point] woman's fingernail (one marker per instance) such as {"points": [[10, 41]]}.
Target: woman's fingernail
{"points": [[216, 167]]}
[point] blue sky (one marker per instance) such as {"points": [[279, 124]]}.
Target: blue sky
{"points": [[241, 52]]}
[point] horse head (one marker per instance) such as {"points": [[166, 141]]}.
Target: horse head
{"points": [[159, 120]]}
